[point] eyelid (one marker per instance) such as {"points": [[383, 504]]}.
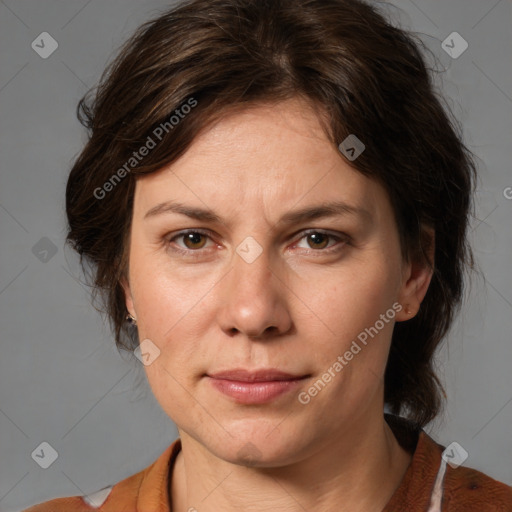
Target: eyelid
{"points": [[339, 236], [184, 232], [329, 232]]}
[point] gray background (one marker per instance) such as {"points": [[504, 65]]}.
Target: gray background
{"points": [[61, 378]]}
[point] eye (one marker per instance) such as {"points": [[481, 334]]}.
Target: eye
{"points": [[319, 240], [192, 240]]}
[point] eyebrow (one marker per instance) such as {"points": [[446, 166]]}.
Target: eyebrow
{"points": [[330, 209]]}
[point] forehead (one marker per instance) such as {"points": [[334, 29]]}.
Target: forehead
{"points": [[268, 157]]}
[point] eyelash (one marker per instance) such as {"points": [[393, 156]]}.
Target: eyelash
{"points": [[190, 252]]}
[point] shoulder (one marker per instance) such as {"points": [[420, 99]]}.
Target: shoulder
{"points": [[436, 479], [468, 489], [74, 503], [456, 488], [122, 494], [147, 486], [461, 488]]}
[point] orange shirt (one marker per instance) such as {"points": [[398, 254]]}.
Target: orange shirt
{"points": [[429, 484]]}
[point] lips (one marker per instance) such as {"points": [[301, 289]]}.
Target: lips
{"points": [[254, 387], [263, 375]]}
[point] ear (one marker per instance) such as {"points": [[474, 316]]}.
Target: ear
{"points": [[416, 276], [130, 306]]}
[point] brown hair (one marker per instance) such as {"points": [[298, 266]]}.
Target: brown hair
{"points": [[369, 78]]}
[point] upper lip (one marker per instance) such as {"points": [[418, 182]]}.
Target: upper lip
{"points": [[262, 375]]}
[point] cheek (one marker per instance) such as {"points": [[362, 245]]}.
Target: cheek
{"points": [[352, 354], [163, 294], [348, 300], [176, 308]]}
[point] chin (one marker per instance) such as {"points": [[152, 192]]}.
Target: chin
{"points": [[266, 446]]}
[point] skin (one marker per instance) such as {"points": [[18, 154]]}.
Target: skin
{"points": [[296, 307]]}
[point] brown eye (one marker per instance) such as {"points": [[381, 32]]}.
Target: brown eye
{"points": [[193, 243], [322, 242], [193, 240], [319, 240]]}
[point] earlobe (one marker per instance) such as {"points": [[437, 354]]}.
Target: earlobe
{"points": [[406, 313], [413, 293], [130, 307], [417, 277]]}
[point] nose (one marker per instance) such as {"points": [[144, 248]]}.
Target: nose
{"points": [[254, 299]]}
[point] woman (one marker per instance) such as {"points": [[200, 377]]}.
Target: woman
{"points": [[275, 204]]}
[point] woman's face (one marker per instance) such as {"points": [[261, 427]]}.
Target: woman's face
{"points": [[262, 285]]}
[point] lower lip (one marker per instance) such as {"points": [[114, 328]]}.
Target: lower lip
{"points": [[254, 392]]}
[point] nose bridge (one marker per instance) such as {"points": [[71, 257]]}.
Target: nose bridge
{"points": [[252, 276], [253, 300]]}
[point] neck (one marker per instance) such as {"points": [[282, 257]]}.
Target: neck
{"points": [[358, 471]]}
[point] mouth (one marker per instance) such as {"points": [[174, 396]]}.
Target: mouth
{"points": [[254, 387]]}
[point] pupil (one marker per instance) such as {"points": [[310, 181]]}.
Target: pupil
{"points": [[317, 237], [194, 238]]}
